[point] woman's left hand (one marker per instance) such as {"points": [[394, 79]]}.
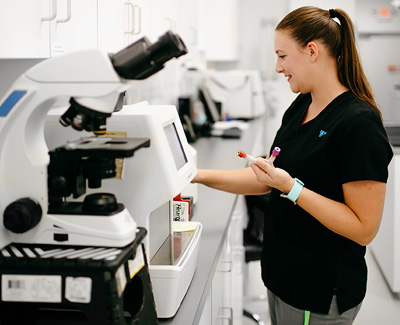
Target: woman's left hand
{"points": [[274, 177]]}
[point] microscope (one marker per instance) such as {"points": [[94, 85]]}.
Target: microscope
{"points": [[36, 185], [150, 183]]}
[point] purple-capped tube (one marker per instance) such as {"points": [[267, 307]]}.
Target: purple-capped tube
{"points": [[275, 153]]}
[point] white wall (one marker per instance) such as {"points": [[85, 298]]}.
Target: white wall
{"points": [[259, 19], [347, 5]]}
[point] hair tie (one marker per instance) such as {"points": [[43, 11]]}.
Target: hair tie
{"points": [[332, 13]]}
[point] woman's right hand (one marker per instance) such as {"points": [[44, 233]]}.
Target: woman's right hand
{"points": [[269, 175]]}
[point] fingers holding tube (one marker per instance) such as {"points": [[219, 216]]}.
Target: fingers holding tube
{"points": [[271, 176]]}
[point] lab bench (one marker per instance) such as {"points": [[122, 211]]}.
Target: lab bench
{"points": [[215, 211]]}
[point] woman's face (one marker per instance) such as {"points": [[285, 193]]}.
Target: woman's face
{"points": [[293, 62]]}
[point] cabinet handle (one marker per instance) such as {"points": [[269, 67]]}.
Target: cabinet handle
{"points": [[171, 23], [230, 317], [194, 39], [130, 5], [68, 18], [139, 11], [53, 14], [228, 267]]}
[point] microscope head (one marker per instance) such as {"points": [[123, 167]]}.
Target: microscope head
{"points": [[139, 60]]}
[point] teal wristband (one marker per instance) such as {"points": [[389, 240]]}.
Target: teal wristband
{"points": [[295, 191]]}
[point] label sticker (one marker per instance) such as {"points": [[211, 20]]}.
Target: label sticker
{"points": [[136, 264], [78, 289], [31, 288], [121, 279], [57, 49]]}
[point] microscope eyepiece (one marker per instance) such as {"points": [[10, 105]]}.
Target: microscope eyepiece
{"points": [[142, 59], [167, 47]]}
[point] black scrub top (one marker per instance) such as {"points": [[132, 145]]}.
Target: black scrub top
{"points": [[303, 262]]}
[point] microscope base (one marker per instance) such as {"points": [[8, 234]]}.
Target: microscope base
{"points": [[116, 230], [44, 284]]}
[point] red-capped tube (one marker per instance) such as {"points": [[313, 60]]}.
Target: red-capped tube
{"points": [[244, 155]]}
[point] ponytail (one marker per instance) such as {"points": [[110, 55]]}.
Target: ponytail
{"points": [[350, 71], [335, 29]]}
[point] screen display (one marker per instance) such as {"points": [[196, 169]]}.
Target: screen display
{"points": [[175, 145]]}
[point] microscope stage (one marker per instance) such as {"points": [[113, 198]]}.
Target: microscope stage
{"points": [[97, 147]]}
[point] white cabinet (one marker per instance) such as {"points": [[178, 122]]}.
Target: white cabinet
{"points": [[386, 245], [221, 288], [239, 218], [24, 28], [44, 28], [188, 25], [115, 26], [74, 26], [219, 29], [224, 304], [164, 17], [122, 22]]}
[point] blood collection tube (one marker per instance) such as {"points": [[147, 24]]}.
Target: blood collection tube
{"points": [[244, 155], [275, 153], [271, 159]]}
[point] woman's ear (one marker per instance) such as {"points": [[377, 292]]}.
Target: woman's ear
{"points": [[313, 51]]}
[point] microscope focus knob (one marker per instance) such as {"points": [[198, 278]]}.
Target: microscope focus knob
{"points": [[22, 215]]}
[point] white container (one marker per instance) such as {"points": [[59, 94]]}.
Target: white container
{"points": [[171, 282]]}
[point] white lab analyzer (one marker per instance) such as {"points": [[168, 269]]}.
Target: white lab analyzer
{"points": [[149, 182], [240, 92], [32, 209]]}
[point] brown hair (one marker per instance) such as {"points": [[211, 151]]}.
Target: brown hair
{"points": [[310, 23]]}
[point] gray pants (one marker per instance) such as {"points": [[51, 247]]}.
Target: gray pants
{"points": [[283, 314]]}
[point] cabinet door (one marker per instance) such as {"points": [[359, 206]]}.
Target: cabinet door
{"points": [[75, 26], [113, 29], [122, 22], [221, 287], [140, 20], [24, 28], [164, 17], [188, 27], [238, 257]]}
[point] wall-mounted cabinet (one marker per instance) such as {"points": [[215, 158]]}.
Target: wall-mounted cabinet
{"points": [[164, 17], [188, 25], [45, 28], [74, 26], [122, 22], [24, 32]]}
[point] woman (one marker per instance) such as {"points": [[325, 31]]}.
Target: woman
{"points": [[328, 183]]}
